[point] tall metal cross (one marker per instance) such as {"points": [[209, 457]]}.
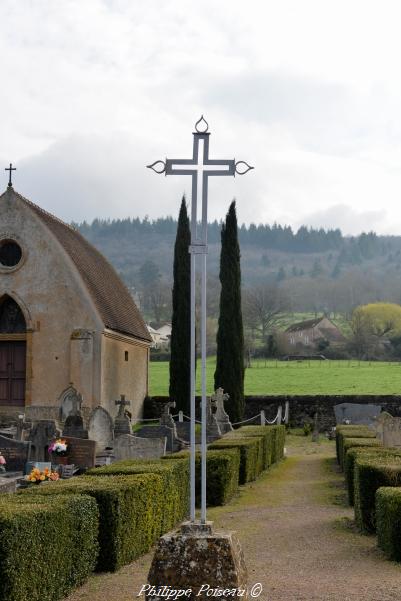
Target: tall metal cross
{"points": [[200, 168], [10, 169]]}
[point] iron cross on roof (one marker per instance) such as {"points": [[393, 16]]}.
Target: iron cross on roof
{"points": [[10, 169], [200, 167]]}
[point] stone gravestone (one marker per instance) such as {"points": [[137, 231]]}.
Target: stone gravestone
{"points": [[74, 424], [81, 452], [379, 424], [165, 429], [212, 427], [391, 430], [355, 413], [174, 443], [221, 416], [101, 428], [127, 446], [16, 453], [122, 423], [41, 435], [66, 400], [166, 417]]}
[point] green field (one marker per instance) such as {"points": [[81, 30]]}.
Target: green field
{"points": [[301, 377]]}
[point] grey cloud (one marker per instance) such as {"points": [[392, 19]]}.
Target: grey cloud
{"points": [[346, 218]]}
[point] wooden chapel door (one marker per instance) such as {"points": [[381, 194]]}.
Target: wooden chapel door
{"points": [[12, 372]]}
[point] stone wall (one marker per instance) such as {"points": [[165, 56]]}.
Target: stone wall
{"points": [[302, 408], [125, 371]]}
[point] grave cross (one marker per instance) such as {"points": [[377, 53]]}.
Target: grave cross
{"points": [[121, 404], [10, 169], [200, 167]]}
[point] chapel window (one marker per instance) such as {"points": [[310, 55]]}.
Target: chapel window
{"points": [[12, 320], [10, 253]]}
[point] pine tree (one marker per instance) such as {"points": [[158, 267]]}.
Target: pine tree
{"points": [[229, 373], [180, 367]]}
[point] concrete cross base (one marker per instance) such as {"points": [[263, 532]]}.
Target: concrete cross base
{"points": [[197, 560]]}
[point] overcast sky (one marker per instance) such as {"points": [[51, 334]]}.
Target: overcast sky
{"points": [[307, 91]]}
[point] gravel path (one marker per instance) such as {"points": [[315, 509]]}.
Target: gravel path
{"points": [[298, 538]]}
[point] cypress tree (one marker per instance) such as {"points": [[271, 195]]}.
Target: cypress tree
{"points": [[230, 370], [180, 368]]}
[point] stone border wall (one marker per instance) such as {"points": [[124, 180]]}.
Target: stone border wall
{"points": [[302, 408]]}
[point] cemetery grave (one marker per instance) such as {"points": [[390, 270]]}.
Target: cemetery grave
{"points": [[140, 495], [296, 533]]}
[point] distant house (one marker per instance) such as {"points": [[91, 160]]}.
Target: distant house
{"points": [[160, 337], [311, 332]]}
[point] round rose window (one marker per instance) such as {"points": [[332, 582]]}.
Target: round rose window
{"points": [[10, 253]]}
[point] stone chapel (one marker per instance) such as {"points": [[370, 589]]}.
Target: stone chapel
{"points": [[66, 318]]}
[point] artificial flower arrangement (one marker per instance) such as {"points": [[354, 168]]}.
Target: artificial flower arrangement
{"points": [[2, 463], [37, 476], [58, 447]]}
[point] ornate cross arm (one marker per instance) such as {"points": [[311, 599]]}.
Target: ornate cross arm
{"points": [[200, 162]]}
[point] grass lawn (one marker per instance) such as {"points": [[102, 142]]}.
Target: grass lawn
{"points": [[303, 377]]}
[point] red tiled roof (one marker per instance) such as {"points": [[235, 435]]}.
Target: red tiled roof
{"points": [[304, 325], [110, 295]]}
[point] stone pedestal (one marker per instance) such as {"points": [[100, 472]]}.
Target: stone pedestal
{"points": [[198, 559]]}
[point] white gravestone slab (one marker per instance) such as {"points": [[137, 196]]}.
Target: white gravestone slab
{"points": [[391, 431], [379, 425], [127, 446], [101, 428]]}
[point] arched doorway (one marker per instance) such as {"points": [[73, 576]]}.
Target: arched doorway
{"points": [[12, 353]]}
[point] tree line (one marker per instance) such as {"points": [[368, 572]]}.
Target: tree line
{"points": [[276, 237]]}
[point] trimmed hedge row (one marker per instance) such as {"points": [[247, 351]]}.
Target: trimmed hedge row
{"points": [[388, 521], [251, 455], [140, 500], [47, 548], [130, 512], [175, 477], [362, 451], [273, 441], [371, 473], [344, 432], [259, 446], [222, 474]]}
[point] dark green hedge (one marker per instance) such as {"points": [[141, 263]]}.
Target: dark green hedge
{"points": [[351, 443], [260, 447], [130, 513], [362, 451], [251, 455], [371, 473], [174, 502], [222, 476], [388, 521], [273, 441], [47, 548], [343, 432]]}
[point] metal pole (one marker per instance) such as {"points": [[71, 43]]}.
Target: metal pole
{"points": [[193, 372], [204, 400]]}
